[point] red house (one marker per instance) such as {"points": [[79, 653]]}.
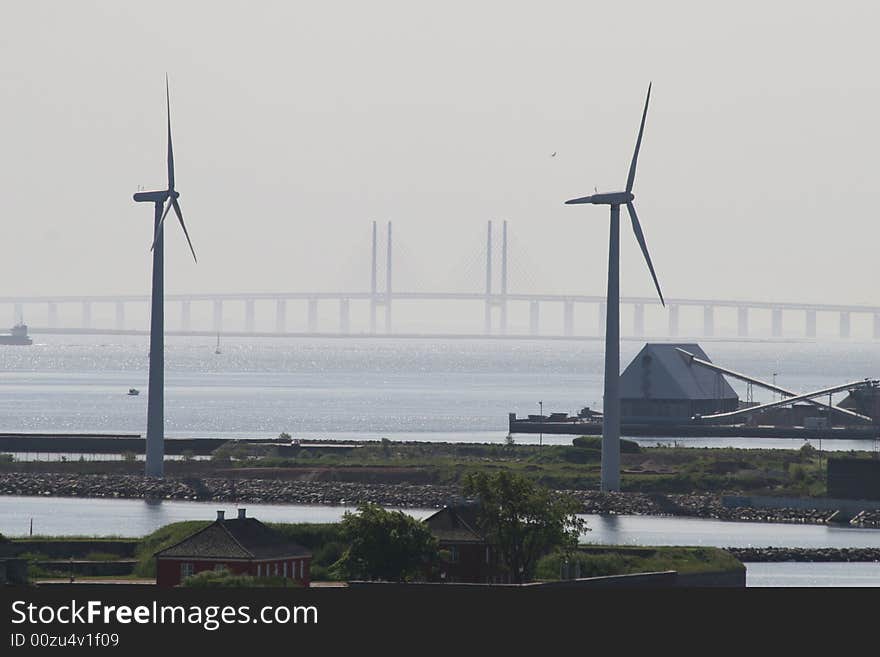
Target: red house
{"points": [[471, 558], [243, 546]]}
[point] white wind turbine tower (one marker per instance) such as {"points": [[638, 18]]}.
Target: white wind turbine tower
{"points": [[155, 452], [610, 478]]}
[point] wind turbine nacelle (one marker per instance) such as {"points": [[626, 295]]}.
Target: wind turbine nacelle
{"points": [[613, 198]]}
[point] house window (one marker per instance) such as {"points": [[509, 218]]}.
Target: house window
{"points": [[285, 569], [487, 554], [220, 566], [186, 569], [259, 570], [453, 554]]}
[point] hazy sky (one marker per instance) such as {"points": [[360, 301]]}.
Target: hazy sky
{"points": [[297, 123]]}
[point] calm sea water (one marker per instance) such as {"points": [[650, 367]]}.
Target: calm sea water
{"points": [[453, 390]]}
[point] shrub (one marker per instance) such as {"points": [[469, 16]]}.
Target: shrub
{"points": [[222, 454], [807, 451], [595, 442], [225, 579]]}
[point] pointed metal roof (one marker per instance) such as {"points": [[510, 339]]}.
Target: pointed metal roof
{"points": [[660, 372]]}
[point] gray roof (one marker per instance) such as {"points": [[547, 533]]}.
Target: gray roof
{"points": [[237, 538], [455, 524], [660, 372]]}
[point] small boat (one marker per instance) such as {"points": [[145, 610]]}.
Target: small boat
{"points": [[133, 392]]}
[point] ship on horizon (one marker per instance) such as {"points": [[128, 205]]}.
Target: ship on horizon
{"points": [[17, 336]]}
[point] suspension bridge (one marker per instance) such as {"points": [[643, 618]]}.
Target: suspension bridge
{"points": [[493, 309]]}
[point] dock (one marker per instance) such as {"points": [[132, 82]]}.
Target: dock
{"points": [[577, 427]]}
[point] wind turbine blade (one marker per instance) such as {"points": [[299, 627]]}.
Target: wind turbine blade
{"points": [[170, 149], [159, 227], [637, 229], [576, 201], [183, 225], [632, 166]]}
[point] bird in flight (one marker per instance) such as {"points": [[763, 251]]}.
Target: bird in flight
{"points": [[553, 154]]}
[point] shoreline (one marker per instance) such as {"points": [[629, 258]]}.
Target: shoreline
{"points": [[401, 495]]}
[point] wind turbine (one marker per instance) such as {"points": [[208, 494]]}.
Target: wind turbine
{"points": [[610, 478], [166, 199]]}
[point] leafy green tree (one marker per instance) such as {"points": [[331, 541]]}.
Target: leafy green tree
{"points": [[388, 545], [523, 520]]}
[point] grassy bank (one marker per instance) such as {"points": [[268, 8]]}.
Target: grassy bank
{"points": [[798, 472], [794, 472], [600, 561]]}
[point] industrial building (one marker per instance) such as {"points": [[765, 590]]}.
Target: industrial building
{"points": [[662, 386]]}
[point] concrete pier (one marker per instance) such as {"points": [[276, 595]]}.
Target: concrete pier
{"points": [[280, 315], [218, 315]]}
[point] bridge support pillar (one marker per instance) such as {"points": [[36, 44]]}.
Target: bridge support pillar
{"points": [[777, 322], [503, 321], [742, 322], [313, 315], [639, 320], [185, 315], [602, 310], [280, 315], [218, 315], [673, 321], [487, 322], [811, 323], [534, 317], [568, 318], [708, 321], [844, 324], [53, 315], [249, 314], [120, 315], [344, 316]]}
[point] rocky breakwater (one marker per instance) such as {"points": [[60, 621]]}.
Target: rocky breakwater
{"points": [[868, 519], [227, 490], [693, 505], [291, 491], [772, 554]]}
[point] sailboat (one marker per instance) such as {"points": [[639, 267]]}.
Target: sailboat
{"points": [[217, 349]]}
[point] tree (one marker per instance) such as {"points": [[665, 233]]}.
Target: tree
{"points": [[388, 545], [523, 520]]}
